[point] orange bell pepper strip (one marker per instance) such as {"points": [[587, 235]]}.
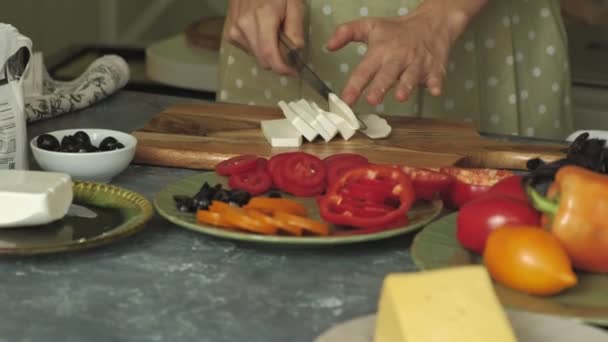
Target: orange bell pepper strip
{"points": [[312, 226], [212, 218], [578, 206], [238, 218], [272, 205], [258, 215]]}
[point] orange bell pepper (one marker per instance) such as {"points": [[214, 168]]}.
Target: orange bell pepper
{"points": [[577, 204]]}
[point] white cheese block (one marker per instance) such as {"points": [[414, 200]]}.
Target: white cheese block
{"points": [[449, 305], [331, 129], [338, 107], [281, 133], [304, 128], [29, 198], [305, 111], [377, 127], [345, 130]]}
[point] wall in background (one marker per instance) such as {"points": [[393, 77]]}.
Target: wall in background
{"points": [[55, 25]]}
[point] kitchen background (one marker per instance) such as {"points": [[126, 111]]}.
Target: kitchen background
{"points": [[71, 33]]}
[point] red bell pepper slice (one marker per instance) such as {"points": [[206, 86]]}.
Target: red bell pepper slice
{"points": [[332, 210], [427, 183], [470, 184]]}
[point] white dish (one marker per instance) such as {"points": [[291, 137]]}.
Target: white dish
{"points": [[95, 166], [528, 327], [592, 134], [31, 198]]}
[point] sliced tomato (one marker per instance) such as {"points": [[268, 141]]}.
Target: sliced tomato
{"points": [[312, 226], [303, 170], [337, 168], [272, 205], [469, 184], [343, 156], [212, 218], [401, 190], [256, 181], [427, 183], [276, 160], [236, 165], [295, 189]]}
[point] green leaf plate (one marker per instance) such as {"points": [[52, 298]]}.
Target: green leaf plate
{"points": [[437, 247], [100, 214], [420, 215]]}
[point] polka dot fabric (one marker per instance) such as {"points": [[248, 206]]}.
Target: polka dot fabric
{"points": [[508, 73]]}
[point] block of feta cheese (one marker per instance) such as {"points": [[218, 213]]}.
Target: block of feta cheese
{"points": [[453, 304], [346, 131], [281, 133], [29, 198], [304, 128], [338, 107], [305, 111], [331, 129]]}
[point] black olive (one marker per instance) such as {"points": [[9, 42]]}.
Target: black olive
{"points": [[48, 142], [240, 197], [183, 203], [274, 194], [92, 148], [68, 140], [69, 148], [108, 144], [82, 138], [118, 146], [201, 203], [222, 196]]}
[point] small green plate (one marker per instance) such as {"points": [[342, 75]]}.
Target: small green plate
{"points": [[437, 247], [420, 215], [100, 214]]}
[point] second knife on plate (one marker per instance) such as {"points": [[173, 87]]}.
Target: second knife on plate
{"points": [[306, 73]]}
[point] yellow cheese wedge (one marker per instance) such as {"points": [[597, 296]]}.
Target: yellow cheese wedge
{"points": [[449, 305]]}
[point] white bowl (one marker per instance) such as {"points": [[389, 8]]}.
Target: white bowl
{"points": [[95, 166]]}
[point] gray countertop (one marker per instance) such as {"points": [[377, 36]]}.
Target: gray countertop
{"points": [[170, 284]]}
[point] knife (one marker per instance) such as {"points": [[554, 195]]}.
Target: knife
{"points": [[306, 73]]}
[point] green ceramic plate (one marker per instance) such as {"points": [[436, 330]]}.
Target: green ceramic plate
{"points": [[436, 247], [421, 214], [100, 214]]}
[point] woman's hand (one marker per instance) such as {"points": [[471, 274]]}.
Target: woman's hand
{"points": [[404, 52], [253, 25]]}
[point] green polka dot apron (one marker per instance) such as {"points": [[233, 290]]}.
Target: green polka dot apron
{"points": [[508, 73]]}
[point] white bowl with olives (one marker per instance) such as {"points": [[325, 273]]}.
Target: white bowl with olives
{"points": [[85, 154]]}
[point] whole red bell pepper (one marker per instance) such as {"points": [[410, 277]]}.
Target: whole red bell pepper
{"points": [[577, 204], [469, 184]]}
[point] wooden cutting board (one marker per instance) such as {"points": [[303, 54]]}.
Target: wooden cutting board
{"points": [[198, 136]]}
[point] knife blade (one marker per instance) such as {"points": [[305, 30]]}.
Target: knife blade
{"points": [[306, 73]]}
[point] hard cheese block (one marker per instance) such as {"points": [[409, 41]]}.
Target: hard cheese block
{"points": [[449, 305], [30, 198]]}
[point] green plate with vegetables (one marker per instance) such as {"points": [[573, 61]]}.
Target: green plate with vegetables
{"points": [[437, 247], [421, 214], [100, 214]]}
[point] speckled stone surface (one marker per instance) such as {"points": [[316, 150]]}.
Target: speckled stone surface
{"points": [[171, 284]]}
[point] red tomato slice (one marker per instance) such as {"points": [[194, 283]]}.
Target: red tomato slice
{"points": [[303, 170], [236, 165], [338, 164], [469, 184], [427, 183], [276, 160], [294, 189], [256, 182]]}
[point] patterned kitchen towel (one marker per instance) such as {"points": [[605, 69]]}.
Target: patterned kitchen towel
{"points": [[46, 98]]}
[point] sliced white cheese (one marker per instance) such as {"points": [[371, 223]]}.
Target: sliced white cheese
{"points": [[304, 128], [281, 133], [29, 198], [322, 118], [305, 111], [337, 106], [377, 127], [346, 131]]}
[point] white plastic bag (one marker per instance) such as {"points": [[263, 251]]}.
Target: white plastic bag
{"points": [[15, 52]]}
